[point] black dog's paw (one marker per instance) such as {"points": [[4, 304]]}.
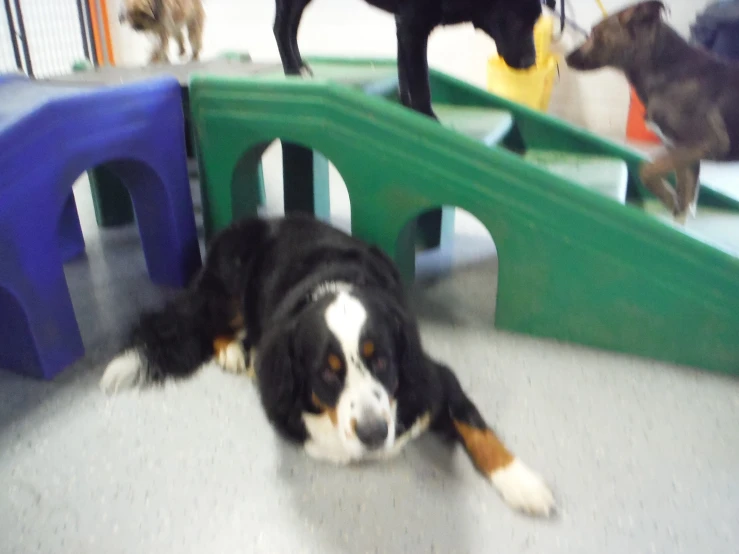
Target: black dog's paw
{"points": [[305, 70], [430, 113], [427, 111]]}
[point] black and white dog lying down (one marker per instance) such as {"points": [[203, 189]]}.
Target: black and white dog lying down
{"points": [[333, 345]]}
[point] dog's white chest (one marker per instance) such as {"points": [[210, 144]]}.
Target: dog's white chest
{"points": [[324, 442]]}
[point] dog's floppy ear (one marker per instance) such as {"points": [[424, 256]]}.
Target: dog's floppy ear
{"points": [[644, 12], [388, 271], [409, 350], [280, 381]]}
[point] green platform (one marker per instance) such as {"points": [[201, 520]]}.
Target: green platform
{"points": [[582, 257]]}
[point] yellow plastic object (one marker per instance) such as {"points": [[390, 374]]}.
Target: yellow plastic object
{"points": [[543, 32], [531, 87]]}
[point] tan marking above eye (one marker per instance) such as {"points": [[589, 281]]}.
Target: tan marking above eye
{"points": [[368, 348], [334, 362], [328, 410]]}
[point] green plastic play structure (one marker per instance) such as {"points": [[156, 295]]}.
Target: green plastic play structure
{"points": [[582, 256], [621, 284]]}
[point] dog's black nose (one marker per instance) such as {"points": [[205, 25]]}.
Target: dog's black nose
{"points": [[573, 58], [372, 433], [527, 61]]}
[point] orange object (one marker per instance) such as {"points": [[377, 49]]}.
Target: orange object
{"points": [[99, 35], [95, 31], [106, 32], [636, 128]]}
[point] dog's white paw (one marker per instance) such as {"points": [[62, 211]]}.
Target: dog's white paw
{"points": [[693, 208], [123, 372], [232, 358], [523, 489], [682, 217], [251, 370]]}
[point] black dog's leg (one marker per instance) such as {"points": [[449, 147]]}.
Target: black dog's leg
{"points": [[280, 29], [403, 93], [519, 486], [296, 14], [413, 69], [287, 20]]}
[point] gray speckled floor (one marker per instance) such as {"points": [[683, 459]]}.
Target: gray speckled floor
{"points": [[643, 457]]}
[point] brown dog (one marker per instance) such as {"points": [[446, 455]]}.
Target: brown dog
{"points": [[166, 19], [690, 96]]}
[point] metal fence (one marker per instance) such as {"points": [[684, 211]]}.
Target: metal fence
{"points": [[44, 38]]}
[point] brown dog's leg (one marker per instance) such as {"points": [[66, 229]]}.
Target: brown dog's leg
{"points": [[682, 161], [160, 51], [659, 187], [180, 39], [687, 191], [195, 32], [704, 136]]}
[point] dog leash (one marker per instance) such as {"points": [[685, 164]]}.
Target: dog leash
{"points": [[552, 5], [602, 8], [563, 19]]}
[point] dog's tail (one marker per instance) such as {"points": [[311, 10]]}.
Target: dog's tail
{"points": [[173, 342], [201, 323]]}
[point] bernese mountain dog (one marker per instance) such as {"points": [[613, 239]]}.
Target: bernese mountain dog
{"points": [[321, 321]]}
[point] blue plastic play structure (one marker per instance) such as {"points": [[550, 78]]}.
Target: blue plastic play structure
{"points": [[50, 133]]}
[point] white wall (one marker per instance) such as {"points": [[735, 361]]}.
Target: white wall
{"points": [[351, 27]]}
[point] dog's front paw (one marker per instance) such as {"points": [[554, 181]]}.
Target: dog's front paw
{"points": [[693, 208], [681, 217], [251, 370], [523, 489], [232, 358], [157, 56], [305, 71]]}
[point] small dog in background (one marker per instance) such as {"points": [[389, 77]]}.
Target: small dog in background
{"points": [[690, 96], [166, 19]]}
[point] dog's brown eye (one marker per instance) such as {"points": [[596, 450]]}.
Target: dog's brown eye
{"points": [[334, 362], [330, 376], [368, 348]]}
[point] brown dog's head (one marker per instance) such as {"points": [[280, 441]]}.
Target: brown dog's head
{"points": [[511, 26], [142, 15], [620, 39]]}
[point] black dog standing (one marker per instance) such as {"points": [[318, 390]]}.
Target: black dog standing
{"points": [[510, 23]]}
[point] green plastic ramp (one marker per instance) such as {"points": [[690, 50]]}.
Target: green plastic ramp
{"points": [[582, 258]]}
